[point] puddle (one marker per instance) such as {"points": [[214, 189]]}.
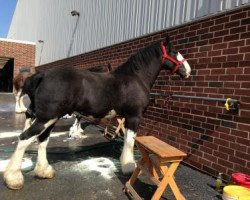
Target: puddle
{"points": [[18, 132], [27, 164]]}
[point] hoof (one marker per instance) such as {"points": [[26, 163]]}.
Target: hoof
{"points": [[13, 180], [47, 172], [128, 168]]}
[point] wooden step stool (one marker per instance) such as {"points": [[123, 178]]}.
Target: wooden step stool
{"points": [[158, 171]]}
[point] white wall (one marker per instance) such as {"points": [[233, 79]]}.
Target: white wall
{"points": [[101, 22]]}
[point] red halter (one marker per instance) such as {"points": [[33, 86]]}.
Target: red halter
{"points": [[166, 56]]}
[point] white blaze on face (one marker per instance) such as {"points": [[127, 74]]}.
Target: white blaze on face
{"points": [[185, 63]]}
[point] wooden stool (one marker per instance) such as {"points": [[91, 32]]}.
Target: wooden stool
{"points": [[120, 129], [158, 171]]}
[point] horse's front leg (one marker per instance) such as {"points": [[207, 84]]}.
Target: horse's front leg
{"points": [[127, 157], [12, 175]]}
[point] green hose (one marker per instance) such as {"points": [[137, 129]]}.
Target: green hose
{"points": [[115, 142]]}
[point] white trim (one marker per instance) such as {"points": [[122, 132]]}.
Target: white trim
{"points": [[17, 41]]}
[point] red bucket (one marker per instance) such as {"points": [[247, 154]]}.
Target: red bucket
{"points": [[241, 179]]}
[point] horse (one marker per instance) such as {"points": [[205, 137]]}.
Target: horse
{"points": [[18, 83], [124, 91]]}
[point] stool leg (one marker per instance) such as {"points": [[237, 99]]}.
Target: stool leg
{"points": [[136, 172], [165, 181], [146, 159], [120, 126]]}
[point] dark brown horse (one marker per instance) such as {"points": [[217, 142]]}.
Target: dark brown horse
{"points": [[124, 91]]}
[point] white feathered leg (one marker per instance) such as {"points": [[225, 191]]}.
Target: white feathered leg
{"points": [[127, 157], [20, 108], [76, 130], [13, 176], [43, 169]]}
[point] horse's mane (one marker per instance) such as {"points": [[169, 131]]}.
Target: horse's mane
{"points": [[140, 59]]}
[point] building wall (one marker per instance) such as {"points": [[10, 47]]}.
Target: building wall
{"points": [[22, 52], [218, 49], [101, 22]]}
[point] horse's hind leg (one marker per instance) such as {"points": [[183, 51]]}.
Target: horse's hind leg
{"points": [[13, 176], [43, 169], [23, 107]]}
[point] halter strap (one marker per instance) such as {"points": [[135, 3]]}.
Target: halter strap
{"points": [[165, 56]]}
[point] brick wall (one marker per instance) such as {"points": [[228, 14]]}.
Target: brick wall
{"points": [[218, 49], [23, 54]]}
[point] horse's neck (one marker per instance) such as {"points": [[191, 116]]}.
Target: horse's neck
{"points": [[149, 74]]}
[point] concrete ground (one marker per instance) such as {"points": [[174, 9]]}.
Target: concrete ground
{"points": [[85, 169]]}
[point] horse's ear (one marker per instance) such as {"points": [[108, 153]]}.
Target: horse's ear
{"points": [[168, 43]]}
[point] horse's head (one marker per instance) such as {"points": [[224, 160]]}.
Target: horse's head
{"points": [[174, 61]]}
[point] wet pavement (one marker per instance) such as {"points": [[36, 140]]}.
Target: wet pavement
{"points": [[86, 168]]}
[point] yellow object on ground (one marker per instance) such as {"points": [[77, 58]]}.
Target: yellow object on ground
{"points": [[235, 192]]}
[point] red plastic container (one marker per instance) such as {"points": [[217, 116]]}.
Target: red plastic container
{"points": [[241, 179]]}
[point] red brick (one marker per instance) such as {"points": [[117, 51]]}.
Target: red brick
{"points": [[230, 51], [236, 43], [232, 24], [219, 59], [245, 49], [245, 85], [238, 30], [235, 57], [231, 37], [237, 160], [247, 56], [202, 43], [238, 147], [238, 16], [242, 77], [230, 64], [221, 33], [242, 155], [223, 162], [222, 20], [215, 53], [216, 40], [234, 71], [220, 46], [244, 35]]}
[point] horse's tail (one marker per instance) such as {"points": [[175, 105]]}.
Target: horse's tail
{"points": [[31, 83]]}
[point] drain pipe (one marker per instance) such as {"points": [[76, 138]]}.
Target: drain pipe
{"points": [[230, 104]]}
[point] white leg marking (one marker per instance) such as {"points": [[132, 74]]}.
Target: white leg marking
{"points": [[13, 176], [43, 169], [27, 124], [18, 106], [49, 123], [76, 130], [24, 109], [127, 157]]}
